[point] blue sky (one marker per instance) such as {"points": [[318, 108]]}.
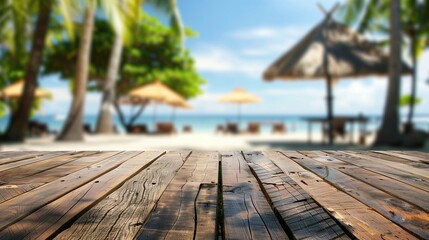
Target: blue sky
{"points": [[237, 40]]}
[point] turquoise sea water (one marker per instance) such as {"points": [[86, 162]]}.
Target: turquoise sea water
{"points": [[208, 123]]}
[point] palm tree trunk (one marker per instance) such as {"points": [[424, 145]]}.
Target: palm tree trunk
{"points": [[413, 81], [18, 124], [389, 133], [177, 23], [105, 122], [73, 130]]}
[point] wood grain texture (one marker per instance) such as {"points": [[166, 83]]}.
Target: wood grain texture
{"points": [[391, 186], [175, 215], [56, 171], [420, 155], [247, 213], [300, 213], [402, 213], [361, 221], [19, 207], [121, 214], [63, 210], [415, 168], [18, 156], [174, 195], [409, 155], [416, 181], [41, 166], [23, 183], [26, 161]]}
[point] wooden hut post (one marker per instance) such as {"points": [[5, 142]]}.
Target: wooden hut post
{"points": [[329, 101]]}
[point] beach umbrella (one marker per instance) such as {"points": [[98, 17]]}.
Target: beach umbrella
{"points": [[177, 103], [14, 91], [330, 51], [156, 91], [239, 96]]}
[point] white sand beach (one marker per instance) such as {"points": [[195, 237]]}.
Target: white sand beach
{"points": [[193, 141]]}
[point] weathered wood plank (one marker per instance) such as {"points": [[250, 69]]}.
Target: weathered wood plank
{"points": [[420, 169], [406, 155], [404, 214], [304, 218], [23, 162], [361, 221], [121, 214], [416, 181], [391, 186], [175, 213], [247, 214], [21, 184], [19, 207], [18, 156], [51, 173], [50, 219], [12, 190], [41, 166], [419, 154]]}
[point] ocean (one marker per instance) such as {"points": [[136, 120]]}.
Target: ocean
{"points": [[208, 123]]}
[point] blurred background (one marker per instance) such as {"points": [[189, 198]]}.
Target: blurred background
{"points": [[214, 75]]}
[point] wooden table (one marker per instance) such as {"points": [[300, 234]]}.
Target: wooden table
{"points": [[350, 120], [212, 195]]}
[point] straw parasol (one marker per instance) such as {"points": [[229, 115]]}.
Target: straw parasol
{"points": [[239, 96], [177, 103], [330, 51], [160, 93], [14, 91], [154, 91]]}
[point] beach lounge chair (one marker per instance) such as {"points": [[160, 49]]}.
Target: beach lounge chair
{"points": [[253, 127], [165, 128], [37, 129], [87, 128], [279, 128], [187, 129], [138, 128], [232, 128], [220, 129]]}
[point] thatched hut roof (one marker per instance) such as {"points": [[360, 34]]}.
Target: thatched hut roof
{"points": [[348, 55]]}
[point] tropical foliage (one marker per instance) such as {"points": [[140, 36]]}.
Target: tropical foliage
{"points": [[153, 56], [371, 16], [151, 52], [154, 53]]}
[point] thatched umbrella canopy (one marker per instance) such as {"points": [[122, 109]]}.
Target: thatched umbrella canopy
{"points": [[160, 93], [154, 91], [177, 103], [14, 91], [330, 51], [239, 96]]}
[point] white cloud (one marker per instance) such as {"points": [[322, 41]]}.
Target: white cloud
{"points": [[269, 41], [220, 60], [270, 33], [62, 98]]}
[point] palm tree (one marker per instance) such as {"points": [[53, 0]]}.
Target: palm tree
{"points": [[18, 124], [371, 15], [105, 119], [389, 132], [73, 129], [416, 28], [172, 9]]}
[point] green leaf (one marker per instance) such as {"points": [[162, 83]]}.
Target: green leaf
{"points": [[405, 100]]}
